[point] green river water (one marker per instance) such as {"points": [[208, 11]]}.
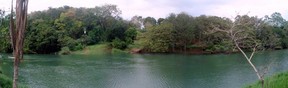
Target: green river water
{"points": [[142, 71]]}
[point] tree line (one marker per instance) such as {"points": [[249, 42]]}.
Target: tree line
{"points": [[185, 33], [71, 29]]}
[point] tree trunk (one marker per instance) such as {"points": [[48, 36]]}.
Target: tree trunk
{"points": [[262, 83], [251, 64], [15, 75], [17, 36]]}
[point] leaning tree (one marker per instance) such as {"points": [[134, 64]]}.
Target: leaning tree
{"points": [[241, 33]]}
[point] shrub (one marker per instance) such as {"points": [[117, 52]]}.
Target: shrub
{"points": [[5, 82], [65, 51], [119, 44]]}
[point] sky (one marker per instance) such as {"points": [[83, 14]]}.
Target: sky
{"points": [[162, 8]]}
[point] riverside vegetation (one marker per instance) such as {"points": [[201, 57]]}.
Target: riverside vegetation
{"points": [[67, 30], [71, 29]]}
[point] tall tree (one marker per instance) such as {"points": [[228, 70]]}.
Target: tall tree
{"points": [[158, 38], [149, 22], [17, 35], [137, 21], [2, 13]]}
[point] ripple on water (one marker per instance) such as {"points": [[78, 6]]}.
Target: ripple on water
{"points": [[141, 71]]}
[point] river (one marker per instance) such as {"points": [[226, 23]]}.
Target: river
{"points": [[143, 71]]}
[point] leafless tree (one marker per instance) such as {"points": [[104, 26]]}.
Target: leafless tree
{"points": [[17, 34], [241, 34]]}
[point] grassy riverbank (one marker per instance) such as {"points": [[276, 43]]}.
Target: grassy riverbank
{"points": [[277, 81], [5, 82], [98, 50]]}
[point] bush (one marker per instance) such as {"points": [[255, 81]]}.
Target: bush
{"points": [[5, 82], [65, 51], [79, 46], [119, 44]]}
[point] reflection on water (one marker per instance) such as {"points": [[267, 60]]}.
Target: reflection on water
{"points": [[142, 71]]}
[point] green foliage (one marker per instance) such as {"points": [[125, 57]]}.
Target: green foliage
{"points": [[182, 30], [4, 33], [50, 30], [119, 44], [65, 51], [5, 82], [4, 36], [41, 37], [96, 35], [130, 34], [276, 81], [118, 51], [149, 22], [93, 49], [158, 38], [221, 47]]}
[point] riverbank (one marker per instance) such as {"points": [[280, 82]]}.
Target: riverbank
{"points": [[5, 82], [98, 49], [104, 48], [277, 81]]}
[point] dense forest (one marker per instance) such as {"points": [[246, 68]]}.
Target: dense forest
{"points": [[71, 29]]}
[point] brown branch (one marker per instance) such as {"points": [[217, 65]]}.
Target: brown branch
{"points": [[254, 49], [249, 61]]}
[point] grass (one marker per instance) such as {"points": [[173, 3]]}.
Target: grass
{"points": [[98, 49], [6, 82], [136, 44], [277, 81]]}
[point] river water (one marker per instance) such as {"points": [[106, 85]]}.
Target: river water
{"points": [[143, 71]]}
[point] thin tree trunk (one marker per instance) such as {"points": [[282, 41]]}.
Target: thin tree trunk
{"points": [[17, 36], [252, 65], [262, 83], [16, 70], [12, 30]]}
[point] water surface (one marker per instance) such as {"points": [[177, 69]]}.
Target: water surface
{"points": [[143, 71]]}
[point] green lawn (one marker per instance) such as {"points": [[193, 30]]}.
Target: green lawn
{"points": [[98, 49], [277, 81]]}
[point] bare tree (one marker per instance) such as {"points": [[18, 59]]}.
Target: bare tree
{"points": [[17, 35], [242, 35]]}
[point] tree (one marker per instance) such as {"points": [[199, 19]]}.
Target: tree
{"points": [[211, 42], [160, 20], [278, 26], [2, 13], [41, 37], [137, 21], [268, 35], [17, 36], [276, 20], [158, 38], [149, 22], [4, 33], [182, 32], [242, 35]]}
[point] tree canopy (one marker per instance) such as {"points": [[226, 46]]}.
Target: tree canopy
{"points": [[51, 30]]}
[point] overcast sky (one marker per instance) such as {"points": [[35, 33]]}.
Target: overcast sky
{"points": [[161, 8]]}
